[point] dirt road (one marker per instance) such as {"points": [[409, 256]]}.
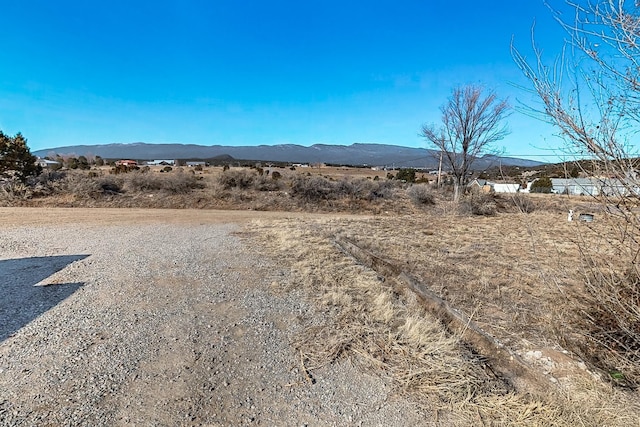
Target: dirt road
{"points": [[159, 317], [17, 216]]}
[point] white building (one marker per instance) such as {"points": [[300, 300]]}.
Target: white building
{"points": [[505, 188]]}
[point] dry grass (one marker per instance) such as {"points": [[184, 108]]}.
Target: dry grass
{"points": [[513, 274], [369, 320]]}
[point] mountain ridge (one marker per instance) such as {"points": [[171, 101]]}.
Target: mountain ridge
{"points": [[369, 154]]}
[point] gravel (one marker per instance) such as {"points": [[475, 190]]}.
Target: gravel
{"points": [[165, 324]]}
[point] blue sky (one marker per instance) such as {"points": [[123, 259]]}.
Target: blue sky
{"points": [[259, 72]]}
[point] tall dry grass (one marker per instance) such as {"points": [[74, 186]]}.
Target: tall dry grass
{"points": [[496, 272]]}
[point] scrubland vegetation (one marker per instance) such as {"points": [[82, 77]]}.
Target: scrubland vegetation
{"points": [[512, 263], [233, 188], [317, 190]]}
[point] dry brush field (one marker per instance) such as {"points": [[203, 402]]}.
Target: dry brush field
{"points": [[518, 277]]}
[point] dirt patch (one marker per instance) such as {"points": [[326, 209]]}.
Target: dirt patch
{"points": [[173, 321], [21, 216]]}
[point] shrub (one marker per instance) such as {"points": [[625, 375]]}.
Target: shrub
{"points": [[108, 185], [48, 182], [276, 175], [478, 204], [242, 179], [523, 203], [14, 189], [344, 188], [311, 188], [174, 183], [406, 175], [263, 183], [118, 169], [609, 321], [82, 186], [363, 188], [383, 189], [316, 188], [422, 180], [421, 194], [83, 163], [47, 176]]}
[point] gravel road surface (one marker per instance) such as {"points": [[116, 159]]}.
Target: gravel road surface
{"points": [[160, 318]]}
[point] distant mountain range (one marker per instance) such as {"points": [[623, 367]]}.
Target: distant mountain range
{"points": [[355, 154]]}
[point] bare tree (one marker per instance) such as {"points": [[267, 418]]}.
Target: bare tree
{"points": [[591, 94], [471, 122]]}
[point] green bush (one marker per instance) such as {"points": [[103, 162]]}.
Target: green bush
{"points": [[406, 175], [542, 185], [16, 160], [83, 163]]}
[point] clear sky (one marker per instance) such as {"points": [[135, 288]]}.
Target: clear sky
{"points": [[259, 72]]}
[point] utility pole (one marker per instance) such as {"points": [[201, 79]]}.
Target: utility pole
{"points": [[440, 169]]}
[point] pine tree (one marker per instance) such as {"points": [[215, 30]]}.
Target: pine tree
{"points": [[16, 159], [542, 185]]}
